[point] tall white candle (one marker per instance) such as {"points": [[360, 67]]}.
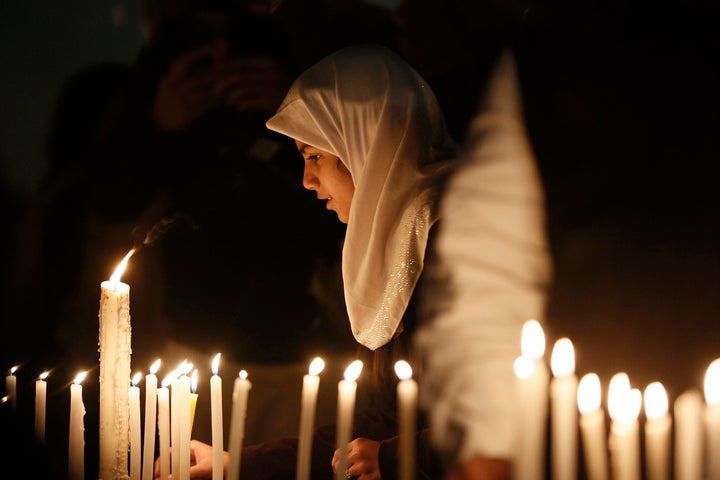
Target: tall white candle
{"points": [[148, 459], [114, 347], [712, 419], [592, 427], [184, 414], [175, 414], [217, 420], [40, 406], [532, 380], [76, 438], [347, 388], [563, 411], [657, 432], [308, 405], [11, 388], [688, 452], [163, 418], [407, 397], [624, 405], [135, 433], [241, 388]]}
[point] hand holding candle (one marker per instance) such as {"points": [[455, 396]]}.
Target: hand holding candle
{"points": [[407, 391], [76, 438], [657, 432], [712, 419], [217, 420], [592, 427], [345, 411], [308, 404], [40, 406], [564, 412], [148, 458], [135, 434]]}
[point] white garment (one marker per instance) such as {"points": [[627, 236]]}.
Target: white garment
{"points": [[492, 274], [368, 107]]}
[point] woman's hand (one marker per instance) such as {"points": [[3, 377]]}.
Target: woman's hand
{"points": [[363, 459], [201, 463]]}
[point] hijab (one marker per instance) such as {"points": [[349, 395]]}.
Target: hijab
{"points": [[368, 107]]}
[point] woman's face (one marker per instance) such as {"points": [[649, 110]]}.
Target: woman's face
{"points": [[329, 178]]}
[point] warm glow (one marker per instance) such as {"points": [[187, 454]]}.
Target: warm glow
{"points": [[589, 393], [155, 367], [194, 380], [656, 401], [316, 366], [624, 403], [115, 278], [4, 399], [79, 378], [44, 375], [13, 370], [532, 340], [243, 374], [136, 379], [184, 368], [216, 364], [168, 380], [562, 361], [403, 370], [523, 366], [352, 372], [712, 383]]}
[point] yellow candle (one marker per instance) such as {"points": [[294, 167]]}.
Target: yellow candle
{"points": [[407, 392], [193, 398], [712, 419], [688, 435], [40, 406], [114, 347], [308, 405], [163, 418], [563, 411], [345, 410], [11, 388], [624, 406], [592, 427], [148, 466], [241, 388], [76, 438], [135, 433], [657, 432], [217, 420]]}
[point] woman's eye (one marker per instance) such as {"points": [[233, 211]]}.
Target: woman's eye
{"points": [[315, 157]]}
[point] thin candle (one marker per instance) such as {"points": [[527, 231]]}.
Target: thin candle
{"points": [[11, 388], [76, 437], [135, 433], [163, 418], [241, 388], [184, 384], [148, 458], [407, 392], [624, 405], [345, 410], [688, 435], [564, 412], [193, 398], [176, 398], [217, 420], [657, 432], [712, 419], [592, 427], [40, 406], [308, 405]]}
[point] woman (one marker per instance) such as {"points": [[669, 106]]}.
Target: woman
{"points": [[376, 151]]}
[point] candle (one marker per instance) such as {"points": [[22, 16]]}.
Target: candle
{"points": [[193, 398], [40, 406], [237, 423], [163, 418], [624, 406], [564, 412], [76, 439], [11, 388], [592, 427], [148, 466], [308, 405], [135, 433], [345, 411], [657, 432], [217, 420], [114, 347], [532, 397], [175, 419], [712, 419], [407, 392], [688, 435], [183, 392]]}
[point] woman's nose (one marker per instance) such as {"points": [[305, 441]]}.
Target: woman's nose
{"points": [[310, 180]]}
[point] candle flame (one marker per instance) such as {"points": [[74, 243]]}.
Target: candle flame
{"points": [[216, 364], [562, 361], [43, 375], [79, 378], [712, 383], [352, 372], [623, 402], [532, 340], [194, 380], [403, 370], [589, 393], [136, 379], [243, 374], [656, 401], [168, 380], [4, 399], [115, 278], [155, 367], [13, 370], [523, 366], [316, 366]]}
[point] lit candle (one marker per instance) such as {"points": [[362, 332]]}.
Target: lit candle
{"points": [[657, 432], [624, 406], [184, 384], [135, 433], [712, 419], [11, 388], [193, 398], [114, 347], [347, 388], [407, 392], [148, 467], [563, 411], [308, 405], [40, 406], [175, 419], [237, 423], [592, 427], [688, 435], [76, 439], [163, 418], [217, 420], [532, 397]]}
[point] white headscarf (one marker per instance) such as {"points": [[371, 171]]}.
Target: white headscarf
{"points": [[368, 107]]}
